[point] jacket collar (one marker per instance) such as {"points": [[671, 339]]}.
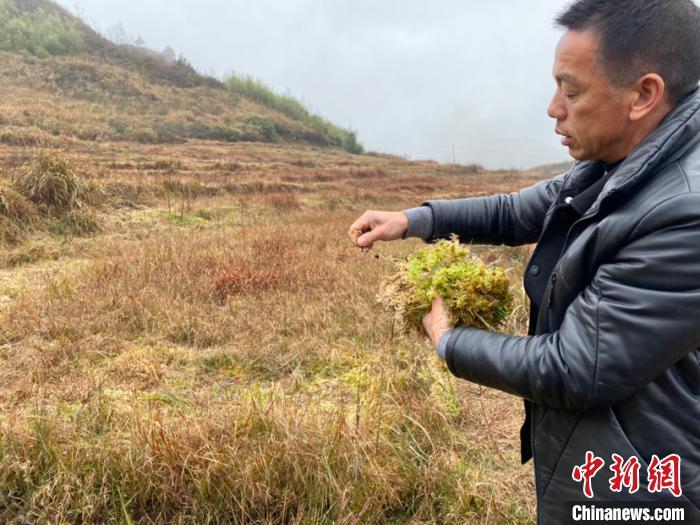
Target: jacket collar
{"points": [[679, 129]]}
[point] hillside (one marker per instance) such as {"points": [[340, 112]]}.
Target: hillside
{"points": [[61, 78]]}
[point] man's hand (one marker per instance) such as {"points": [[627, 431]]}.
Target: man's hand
{"points": [[378, 226], [436, 322]]}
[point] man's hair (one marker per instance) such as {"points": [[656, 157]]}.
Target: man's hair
{"points": [[643, 36]]}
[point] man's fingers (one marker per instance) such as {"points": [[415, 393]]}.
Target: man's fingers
{"points": [[362, 224], [354, 234], [375, 226], [366, 240]]}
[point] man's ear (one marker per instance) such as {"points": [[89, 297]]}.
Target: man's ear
{"points": [[649, 95]]}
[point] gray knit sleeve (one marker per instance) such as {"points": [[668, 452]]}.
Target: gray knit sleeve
{"points": [[420, 222], [442, 344]]}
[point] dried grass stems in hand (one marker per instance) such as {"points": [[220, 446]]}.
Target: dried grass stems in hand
{"points": [[474, 293]]}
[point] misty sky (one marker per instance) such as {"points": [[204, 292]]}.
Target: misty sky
{"points": [[411, 77]]}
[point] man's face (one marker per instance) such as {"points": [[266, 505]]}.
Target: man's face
{"points": [[592, 115]]}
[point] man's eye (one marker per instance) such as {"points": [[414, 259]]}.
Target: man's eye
{"points": [[571, 96]]}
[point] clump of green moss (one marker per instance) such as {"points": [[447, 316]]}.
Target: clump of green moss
{"points": [[474, 293]]}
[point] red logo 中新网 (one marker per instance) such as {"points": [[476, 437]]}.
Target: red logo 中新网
{"points": [[662, 474]]}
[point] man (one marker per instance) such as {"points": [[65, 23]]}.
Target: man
{"points": [[610, 370]]}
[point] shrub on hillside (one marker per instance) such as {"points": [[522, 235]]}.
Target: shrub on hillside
{"points": [[38, 32], [323, 132], [50, 180]]}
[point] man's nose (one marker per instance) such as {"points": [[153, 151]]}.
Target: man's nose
{"points": [[556, 109]]}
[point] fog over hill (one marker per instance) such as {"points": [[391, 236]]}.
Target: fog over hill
{"points": [[469, 79]]}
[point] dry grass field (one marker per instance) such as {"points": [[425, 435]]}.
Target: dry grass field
{"points": [[188, 334], [199, 342]]}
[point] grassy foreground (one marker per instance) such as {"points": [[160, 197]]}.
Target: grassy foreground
{"points": [[212, 350]]}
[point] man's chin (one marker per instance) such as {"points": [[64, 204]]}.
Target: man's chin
{"points": [[578, 154]]}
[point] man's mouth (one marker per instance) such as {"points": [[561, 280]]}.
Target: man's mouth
{"points": [[566, 140]]}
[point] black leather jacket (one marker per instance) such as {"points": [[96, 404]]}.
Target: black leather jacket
{"points": [[612, 363]]}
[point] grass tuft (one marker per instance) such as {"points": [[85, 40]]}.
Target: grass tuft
{"points": [[78, 223], [15, 207], [50, 180]]}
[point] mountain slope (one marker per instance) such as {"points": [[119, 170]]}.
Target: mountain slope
{"points": [[62, 79]]}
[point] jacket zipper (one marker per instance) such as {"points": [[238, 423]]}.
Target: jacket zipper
{"points": [[534, 461], [550, 322], [550, 302]]}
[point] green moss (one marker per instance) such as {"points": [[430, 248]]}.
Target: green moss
{"points": [[187, 218], [474, 294], [167, 398], [358, 377]]}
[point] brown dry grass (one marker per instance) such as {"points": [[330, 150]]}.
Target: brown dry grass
{"points": [[216, 354]]}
